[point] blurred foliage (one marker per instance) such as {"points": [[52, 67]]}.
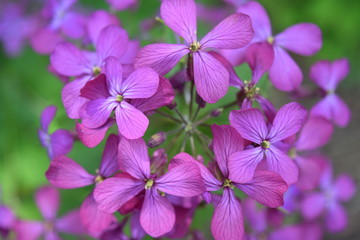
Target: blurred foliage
{"points": [[26, 88]]}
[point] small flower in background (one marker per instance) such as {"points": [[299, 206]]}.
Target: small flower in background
{"points": [[327, 75], [121, 5], [57, 143], [7, 221]]}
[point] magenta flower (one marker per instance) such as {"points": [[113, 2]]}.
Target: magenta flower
{"points": [[327, 75], [7, 221], [68, 60], [59, 142], [266, 187], [121, 5], [47, 199], [157, 215], [210, 76], [113, 93], [328, 200], [303, 38], [65, 173], [251, 125]]}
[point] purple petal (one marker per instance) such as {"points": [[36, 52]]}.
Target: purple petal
{"points": [[112, 41], [336, 218], [47, 116], [183, 180], [327, 75], [309, 172], [227, 222], [132, 50], [142, 83], [26, 230], [235, 56], [47, 199], [91, 137], [226, 141], [284, 73], [312, 206], [317, 132], [69, 60], [293, 232], [95, 89], [114, 76], [242, 164], [99, 20], [345, 187], [250, 124], [109, 160], [70, 96], [65, 173], [70, 223], [266, 187], [210, 76], [61, 142], [288, 121], [94, 220], [233, 32], [267, 107], [211, 183], [157, 214], [137, 232], [303, 38], [121, 5], [73, 25], [7, 219], [333, 108], [280, 163], [134, 158], [51, 236], [180, 16], [96, 112], [45, 40], [162, 57], [114, 192]]}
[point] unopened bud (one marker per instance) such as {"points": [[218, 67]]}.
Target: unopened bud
{"points": [[172, 105], [216, 112], [200, 101], [157, 139]]}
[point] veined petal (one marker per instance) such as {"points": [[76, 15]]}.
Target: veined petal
{"points": [[47, 199], [288, 121], [242, 164], [282, 164], [284, 73], [303, 38], [162, 57], [132, 123], [316, 133], [250, 124], [61, 142], [96, 112], [227, 222], [114, 192], [313, 205], [233, 32], [47, 116], [267, 107], [109, 160], [134, 158], [345, 187], [210, 76], [183, 180], [70, 96], [69, 223], [91, 137], [157, 215], [113, 71], [180, 16], [65, 173], [226, 141], [95, 89], [142, 83], [266, 187]]}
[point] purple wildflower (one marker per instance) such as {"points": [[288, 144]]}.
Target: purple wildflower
{"points": [[7, 221], [327, 75], [251, 125], [157, 215], [210, 76], [59, 142]]}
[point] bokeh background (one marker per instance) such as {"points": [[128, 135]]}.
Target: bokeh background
{"points": [[26, 88]]}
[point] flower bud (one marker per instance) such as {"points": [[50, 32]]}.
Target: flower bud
{"points": [[200, 101], [216, 112], [172, 105], [157, 139]]}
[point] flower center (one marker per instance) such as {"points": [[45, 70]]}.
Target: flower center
{"points": [[119, 98], [49, 226], [228, 183], [149, 184], [99, 179], [265, 144], [270, 40], [96, 70], [292, 153], [195, 46], [250, 90]]}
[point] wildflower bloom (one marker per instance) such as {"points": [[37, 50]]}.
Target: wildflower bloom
{"points": [[59, 142], [266, 187], [7, 221], [251, 125], [303, 38], [47, 199], [113, 93], [210, 76], [327, 75], [157, 215], [328, 200], [65, 173]]}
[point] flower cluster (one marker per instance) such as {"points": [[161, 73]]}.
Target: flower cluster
{"points": [[262, 172]]}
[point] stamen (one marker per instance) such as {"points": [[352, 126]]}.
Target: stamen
{"points": [[195, 46], [119, 98], [99, 179], [96, 70], [228, 183], [149, 184], [265, 144], [270, 40]]}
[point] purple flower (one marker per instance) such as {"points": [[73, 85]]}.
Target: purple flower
{"points": [[251, 125], [65, 173], [121, 5], [157, 215], [7, 221], [113, 93], [327, 75], [328, 200], [210, 76], [57, 143], [47, 199], [303, 38], [265, 186]]}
